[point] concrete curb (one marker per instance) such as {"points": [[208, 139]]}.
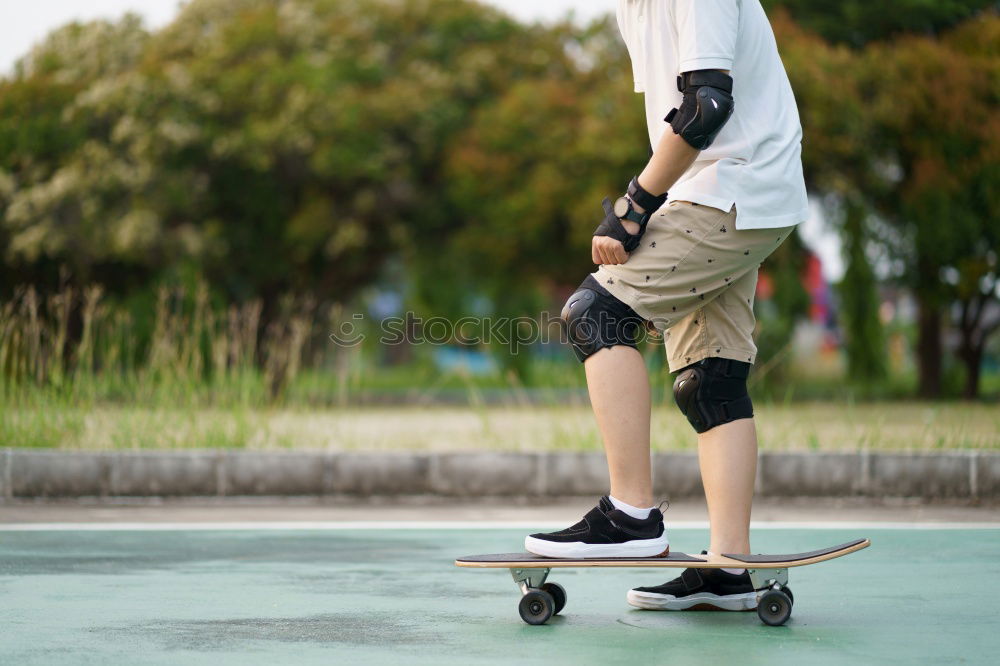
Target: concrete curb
{"points": [[35, 473]]}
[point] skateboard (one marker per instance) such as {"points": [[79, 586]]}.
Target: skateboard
{"points": [[540, 600]]}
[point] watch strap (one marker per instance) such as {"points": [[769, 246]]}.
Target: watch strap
{"points": [[632, 215], [635, 216]]}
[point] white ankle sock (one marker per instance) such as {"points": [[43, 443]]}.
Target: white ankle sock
{"points": [[633, 511], [735, 572]]}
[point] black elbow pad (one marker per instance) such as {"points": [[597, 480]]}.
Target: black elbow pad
{"points": [[705, 108]]}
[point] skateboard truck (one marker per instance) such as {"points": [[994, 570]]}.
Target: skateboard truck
{"points": [[774, 597], [539, 600], [529, 578], [762, 578]]}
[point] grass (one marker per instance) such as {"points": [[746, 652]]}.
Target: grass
{"points": [[186, 372], [804, 426]]}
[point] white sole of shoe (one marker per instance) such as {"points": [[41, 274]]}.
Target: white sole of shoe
{"points": [[581, 550], [699, 601]]}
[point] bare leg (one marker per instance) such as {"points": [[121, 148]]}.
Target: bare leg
{"points": [[727, 455], [619, 393]]}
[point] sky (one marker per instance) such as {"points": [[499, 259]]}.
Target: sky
{"points": [[24, 22]]}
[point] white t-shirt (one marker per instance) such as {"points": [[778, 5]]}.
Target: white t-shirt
{"points": [[755, 161]]}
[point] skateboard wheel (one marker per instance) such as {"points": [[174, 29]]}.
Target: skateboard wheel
{"points": [[787, 590], [774, 607], [558, 596], [536, 607]]}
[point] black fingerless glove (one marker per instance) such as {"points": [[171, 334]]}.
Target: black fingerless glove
{"points": [[613, 227]]}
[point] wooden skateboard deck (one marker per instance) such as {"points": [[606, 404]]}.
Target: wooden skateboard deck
{"points": [[769, 574], [681, 560]]}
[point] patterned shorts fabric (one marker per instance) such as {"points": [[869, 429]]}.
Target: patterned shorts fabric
{"points": [[693, 278]]}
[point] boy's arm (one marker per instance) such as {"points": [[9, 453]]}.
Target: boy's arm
{"points": [[671, 158], [707, 33]]}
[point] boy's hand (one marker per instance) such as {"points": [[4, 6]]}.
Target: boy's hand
{"points": [[613, 236], [607, 250]]}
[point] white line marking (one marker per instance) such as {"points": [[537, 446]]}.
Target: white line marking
{"points": [[452, 525]]}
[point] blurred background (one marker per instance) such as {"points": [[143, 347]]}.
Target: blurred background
{"points": [[194, 196]]}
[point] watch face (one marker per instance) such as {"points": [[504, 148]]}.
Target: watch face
{"points": [[621, 207]]}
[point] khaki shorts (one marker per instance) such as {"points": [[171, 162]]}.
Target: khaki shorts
{"points": [[693, 278]]}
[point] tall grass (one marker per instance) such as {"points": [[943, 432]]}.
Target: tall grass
{"points": [[75, 347], [187, 348], [80, 370]]}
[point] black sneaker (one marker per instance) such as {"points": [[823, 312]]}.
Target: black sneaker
{"points": [[604, 532], [698, 589]]}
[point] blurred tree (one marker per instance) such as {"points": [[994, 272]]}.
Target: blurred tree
{"points": [[977, 260], [857, 22], [839, 170], [530, 171], [976, 289], [277, 146], [935, 105], [904, 135], [865, 344], [533, 168], [778, 316], [52, 175]]}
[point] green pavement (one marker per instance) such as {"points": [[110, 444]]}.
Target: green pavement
{"points": [[393, 596]]}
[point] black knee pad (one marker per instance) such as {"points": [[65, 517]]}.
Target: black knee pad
{"points": [[595, 319], [713, 391]]}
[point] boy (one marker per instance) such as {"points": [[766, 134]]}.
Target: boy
{"points": [[723, 121]]}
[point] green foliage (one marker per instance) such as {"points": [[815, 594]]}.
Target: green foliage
{"points": [[865, 339], [778, 315], [905, 133], [279, 146], [535, 166], [857, 22], [934, 110], [302, 146]]}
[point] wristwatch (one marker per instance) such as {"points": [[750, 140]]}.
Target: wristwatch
{"points": [[625, 211]]}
